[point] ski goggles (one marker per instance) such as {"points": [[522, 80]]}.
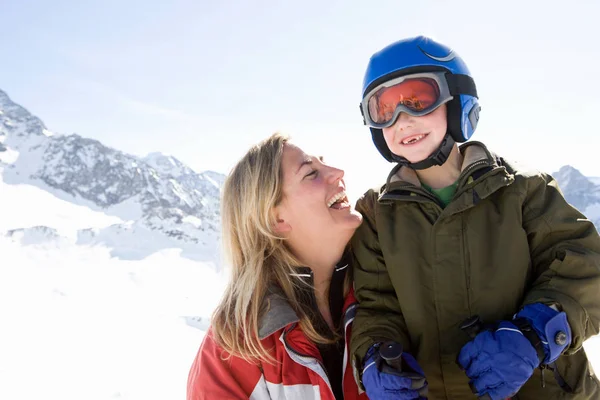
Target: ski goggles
{"points": [[415, 94]]}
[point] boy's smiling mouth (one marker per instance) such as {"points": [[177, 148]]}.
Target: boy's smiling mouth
{"points": [[413, 139]]}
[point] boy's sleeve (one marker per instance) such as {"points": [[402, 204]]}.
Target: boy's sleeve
{"points": [[379, 317], [565, 255]]}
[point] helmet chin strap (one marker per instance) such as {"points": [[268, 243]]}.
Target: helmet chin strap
{"points": [[438, 157]]}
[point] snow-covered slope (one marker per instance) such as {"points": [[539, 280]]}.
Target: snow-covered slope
{"points": [[78, 323], [157, 200], [108, 273]]}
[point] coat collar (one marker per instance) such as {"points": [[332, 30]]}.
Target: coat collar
{"points": [[280, 314], [482, 173], [472, 153]]}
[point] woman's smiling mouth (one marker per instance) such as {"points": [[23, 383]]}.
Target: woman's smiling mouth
{"points": [[338, 201]]}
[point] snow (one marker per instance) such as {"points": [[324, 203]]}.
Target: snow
{"points": [[24, 206], [138, 240], [36, 192], [190, 219], [9, 156], [81, 325], [211, 180], [166, 165], [78, 322], [127, 210], [37, 235]]}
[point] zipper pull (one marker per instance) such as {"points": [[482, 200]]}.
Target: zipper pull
{"points": [[542, 368]]}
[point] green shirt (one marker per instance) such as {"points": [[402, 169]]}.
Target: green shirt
{"points": [[444, 194]]}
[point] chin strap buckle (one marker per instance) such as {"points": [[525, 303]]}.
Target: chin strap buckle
{"points": [[438, 157]]}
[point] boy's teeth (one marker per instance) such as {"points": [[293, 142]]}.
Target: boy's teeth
{"points": [[413, 139]]}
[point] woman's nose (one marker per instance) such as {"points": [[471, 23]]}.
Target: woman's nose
{"points": [[335, 174]]}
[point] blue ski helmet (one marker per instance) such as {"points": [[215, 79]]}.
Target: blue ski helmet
{"points": [[422, 54]]}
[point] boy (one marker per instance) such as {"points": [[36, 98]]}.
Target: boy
{"points": [[457, 232]]}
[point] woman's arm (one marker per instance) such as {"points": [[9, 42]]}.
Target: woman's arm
{"points": [[214, 378]]}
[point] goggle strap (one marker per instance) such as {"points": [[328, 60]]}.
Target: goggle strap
{"points": [[461, 84], [362, 114]]}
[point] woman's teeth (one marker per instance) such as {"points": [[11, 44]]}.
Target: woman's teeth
{"points": [[338, 197]]}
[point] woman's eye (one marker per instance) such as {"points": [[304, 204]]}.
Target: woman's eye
{"points": [[314, 173]]}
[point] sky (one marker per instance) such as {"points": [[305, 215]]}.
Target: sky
{"points": [[203, 81]]}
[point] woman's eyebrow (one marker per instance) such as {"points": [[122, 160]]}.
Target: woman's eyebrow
{"points": [[306, 161]]}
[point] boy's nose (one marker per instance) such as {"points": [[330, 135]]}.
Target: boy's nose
{"points": [[404, 120]]}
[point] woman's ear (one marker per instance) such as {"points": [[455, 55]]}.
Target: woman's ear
{"points": [[281, 226]]}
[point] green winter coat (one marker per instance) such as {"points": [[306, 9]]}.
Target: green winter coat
{"points": [[508, 238]]}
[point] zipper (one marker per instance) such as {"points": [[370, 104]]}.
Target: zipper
{"points": [[467, 265], [461, 188], [464, 176], [413, 189], [348, 320], [542, 368], [305, 360]]}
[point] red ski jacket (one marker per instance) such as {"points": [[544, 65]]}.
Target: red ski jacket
{"points": [[297, 374]]}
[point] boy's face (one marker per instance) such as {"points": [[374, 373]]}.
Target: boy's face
{"points": [[416, 138]]}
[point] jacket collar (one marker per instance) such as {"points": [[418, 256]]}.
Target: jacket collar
{"points": [[280, 314], [472, 152], [403, 182]]}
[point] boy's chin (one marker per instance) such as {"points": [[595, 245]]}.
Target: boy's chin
{"points": [[419, 155], [413, 159]]}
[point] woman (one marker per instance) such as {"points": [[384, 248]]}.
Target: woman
{"points": [[281, 328]]}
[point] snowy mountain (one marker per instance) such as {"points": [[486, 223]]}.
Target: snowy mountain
{"points": [[581, 192], [110, 267], [158, 201]]}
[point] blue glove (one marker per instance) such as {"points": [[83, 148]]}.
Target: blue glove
{"points": [[385, 382], [498, 362], [551, 327]]}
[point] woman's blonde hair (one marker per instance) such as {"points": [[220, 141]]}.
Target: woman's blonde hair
{"points": [[258, 257]]}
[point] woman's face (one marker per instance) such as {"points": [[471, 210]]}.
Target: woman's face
{"points": [[314, 208]]}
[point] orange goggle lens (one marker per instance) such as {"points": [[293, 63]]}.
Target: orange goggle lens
{"points": [[414, 94]]}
